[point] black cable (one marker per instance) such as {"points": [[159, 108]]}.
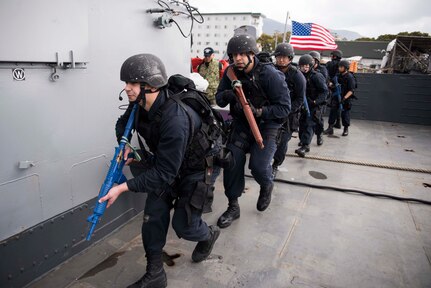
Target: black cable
{"points": [[190, 10], [351, 190]]}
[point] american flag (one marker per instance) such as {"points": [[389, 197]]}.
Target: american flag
{"points": [[310, 36]]}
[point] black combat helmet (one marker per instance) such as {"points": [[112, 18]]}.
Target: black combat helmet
{"points": [[306, 59], [315, 55], [284, 49], [345, 64], [144, 68], [242, 43], [337, 53]]}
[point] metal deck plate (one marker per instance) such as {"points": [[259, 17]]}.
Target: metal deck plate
{"points": [[307, 237]]}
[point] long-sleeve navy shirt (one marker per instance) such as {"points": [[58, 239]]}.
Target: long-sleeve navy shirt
{"points": [[273, 85], [173, 136], [297, 85]]}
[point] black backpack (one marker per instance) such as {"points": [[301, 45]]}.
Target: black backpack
{"points": [[210, 139]]}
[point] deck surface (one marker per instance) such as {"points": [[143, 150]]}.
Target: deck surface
{"points": [[308, 237]]}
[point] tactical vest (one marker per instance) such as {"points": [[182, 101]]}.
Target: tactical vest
{"points": [[291, 73], [204, 143], [311, 90], [252, 87]]}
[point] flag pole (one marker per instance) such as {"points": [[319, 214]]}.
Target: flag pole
{"points": [[285, 27]]}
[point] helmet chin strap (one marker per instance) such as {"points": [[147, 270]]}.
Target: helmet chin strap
{"points": [[142, 97], [249, 62]]}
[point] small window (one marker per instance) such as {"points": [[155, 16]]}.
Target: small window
{"points": [[207, 43], [198, 51], [207, 35], [208, 18], [234, 18], [199, 35], [216, 18], [199, 43], [208, 26], [216, 43], [225, 18], [225, 26], [243, 18], [216, 26]]}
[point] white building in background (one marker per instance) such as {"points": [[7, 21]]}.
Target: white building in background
{"points": [[218, 28]]}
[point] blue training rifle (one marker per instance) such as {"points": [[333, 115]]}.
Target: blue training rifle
{"points": [[115, 174], [338, 91], [307, 109]]}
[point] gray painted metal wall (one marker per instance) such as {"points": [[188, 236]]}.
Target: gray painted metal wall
{"points": [[397, 98], [58, 122]]}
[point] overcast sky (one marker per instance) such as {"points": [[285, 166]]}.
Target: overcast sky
{"points": [[369, 18]]}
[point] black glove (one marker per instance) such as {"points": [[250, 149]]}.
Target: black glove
{"points": [[228, 96], [256, 112]]}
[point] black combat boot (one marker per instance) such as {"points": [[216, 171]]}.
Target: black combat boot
{"points": [[301, 151], [329, 131], [319, 140], [346, 131], [203, 248], [337, 124], [155, 277], [264, 197], [232, 213]]}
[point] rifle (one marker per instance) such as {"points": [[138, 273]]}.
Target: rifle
{"points": [[115, 174], [338, 91], [307, 109], [245, 107]]}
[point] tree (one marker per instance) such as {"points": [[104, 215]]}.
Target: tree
{"points": [[365, 39], [390, 37], [268, 42]]}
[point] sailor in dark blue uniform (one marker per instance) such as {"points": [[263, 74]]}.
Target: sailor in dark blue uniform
{"points": [[296, 84], [266, 90], [318, 128], [316, 92], [348, 84], [166, 126], [332, 67]]}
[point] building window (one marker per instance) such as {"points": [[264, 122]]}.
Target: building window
{"points": [[216, 43], [199, 43], [198, 51], [208, 18], [216, 18], [225, 26], [208, 26], [207, 43], [216, 26], [243, 18], [207, 35], [225, 18], [234, 18]]}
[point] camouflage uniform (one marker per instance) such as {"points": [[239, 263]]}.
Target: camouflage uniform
{"points": [[211, 74]]}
